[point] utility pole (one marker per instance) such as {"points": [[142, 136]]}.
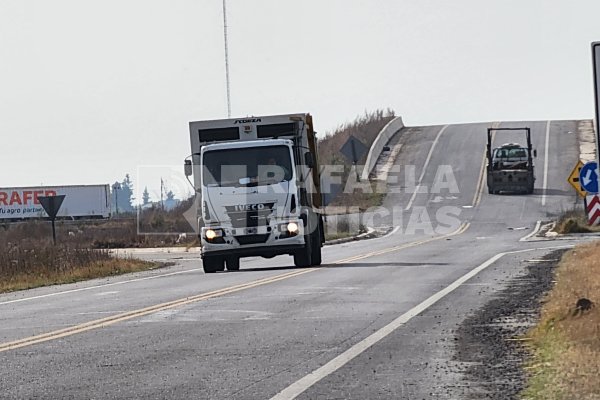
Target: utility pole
{"points": [[226, 59], [162, 204], [116, 187]]}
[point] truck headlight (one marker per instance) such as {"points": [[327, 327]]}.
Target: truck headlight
{"points": [[292, 227], [211, 234], [288, 229]]}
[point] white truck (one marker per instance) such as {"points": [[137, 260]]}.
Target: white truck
{"points": [[81, 201], [257, 189]]}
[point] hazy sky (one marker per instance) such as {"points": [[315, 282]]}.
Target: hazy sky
{"points": [[91, 90]]}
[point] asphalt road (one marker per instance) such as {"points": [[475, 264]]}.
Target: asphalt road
{"points": [[377, 320]]}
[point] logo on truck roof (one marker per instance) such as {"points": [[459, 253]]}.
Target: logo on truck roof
{"points": [[245, 121]]}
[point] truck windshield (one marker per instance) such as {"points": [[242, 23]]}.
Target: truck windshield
{"points": [[519, 153], [249, 166]]}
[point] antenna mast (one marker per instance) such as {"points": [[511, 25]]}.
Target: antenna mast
{"points": [[226, 60]]}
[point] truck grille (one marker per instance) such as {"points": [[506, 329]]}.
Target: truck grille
{"points": [[250, 218], [252, 239]]}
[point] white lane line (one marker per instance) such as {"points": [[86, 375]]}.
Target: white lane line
{"points": [[412, 198], [98, 286], [538, 225], [300, 386], [546, 163]]}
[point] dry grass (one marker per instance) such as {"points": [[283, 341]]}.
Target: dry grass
{"points": [[566, 347], [46, 276], [36, 263], [574, 221], [28, 259], [153, 228], [365, 128]]}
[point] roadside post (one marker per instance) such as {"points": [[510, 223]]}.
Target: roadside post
{"points": [[353, 150], [51, 205], [596, 69], [590, 170]]}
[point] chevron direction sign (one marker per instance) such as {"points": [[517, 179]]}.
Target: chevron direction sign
{"points": [[593, 209]]}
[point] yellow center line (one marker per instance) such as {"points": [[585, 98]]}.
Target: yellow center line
{"points": [[104, 322], [461, 229]]}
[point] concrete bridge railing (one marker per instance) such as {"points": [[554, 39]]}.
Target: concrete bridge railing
{"points": [[380, 141]]}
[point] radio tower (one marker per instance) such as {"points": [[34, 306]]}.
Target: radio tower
{"points": [[226, 59]]}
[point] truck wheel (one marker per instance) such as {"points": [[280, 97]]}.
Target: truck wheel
{"points": [[302, 257], [212, 264], [316, 248], [490, 190], [233, 263]]}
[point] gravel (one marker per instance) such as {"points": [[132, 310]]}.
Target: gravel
{"points": [[486, 343]]}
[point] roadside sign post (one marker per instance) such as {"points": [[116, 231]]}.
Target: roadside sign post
{"points": [[596, 69], [51, 205], [353, 150]]}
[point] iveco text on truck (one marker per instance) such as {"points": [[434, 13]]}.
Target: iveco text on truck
{"points": [[258, 185]]}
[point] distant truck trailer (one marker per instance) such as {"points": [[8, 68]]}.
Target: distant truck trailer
{"points": [[81, 202]]}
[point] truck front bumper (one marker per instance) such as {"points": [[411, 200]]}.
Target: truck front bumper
{"points": [[258, 251], [263, 241]]}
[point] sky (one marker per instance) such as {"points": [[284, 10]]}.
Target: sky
{"points": [[92, 90]]}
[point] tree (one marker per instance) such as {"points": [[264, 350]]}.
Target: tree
{"points": [[145, 196], [122, 195], [127, 194]]}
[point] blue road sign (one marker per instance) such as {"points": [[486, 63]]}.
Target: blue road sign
{"points": [[588, 177]]}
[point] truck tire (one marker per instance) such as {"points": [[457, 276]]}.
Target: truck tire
{"points": [[316, 248], [530, 189], [212, 264], [232, 263], [303, 257]]}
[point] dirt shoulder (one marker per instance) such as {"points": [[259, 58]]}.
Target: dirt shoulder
{"points": [[565, 344], [490, 341]]}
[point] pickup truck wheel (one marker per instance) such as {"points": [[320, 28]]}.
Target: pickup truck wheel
{"points": [[212, 264], [233, 263], [316, 248], [302, 257]]}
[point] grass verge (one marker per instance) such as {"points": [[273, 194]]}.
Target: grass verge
{"points": [[566, 347], [574, 221], [338, 235], [34, 265]]}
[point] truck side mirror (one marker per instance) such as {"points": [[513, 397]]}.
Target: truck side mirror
{"points": [[309, 160], [187, 167], [535, 152]]}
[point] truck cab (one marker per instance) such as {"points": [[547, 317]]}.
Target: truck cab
{"points": [[258, 183]]}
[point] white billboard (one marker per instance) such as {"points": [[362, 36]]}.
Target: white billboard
{"points": [[82, 201]]}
